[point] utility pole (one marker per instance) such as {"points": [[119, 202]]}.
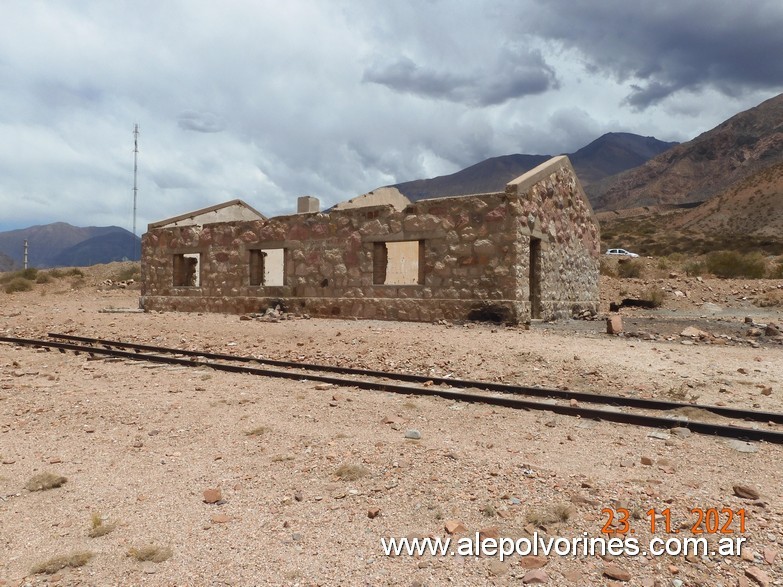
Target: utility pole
{"points": [[135, 187], [25, 254]]}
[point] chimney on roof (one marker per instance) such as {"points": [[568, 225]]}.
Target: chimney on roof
{"points": [[307, 204]]}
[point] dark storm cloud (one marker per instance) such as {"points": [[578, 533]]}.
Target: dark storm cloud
{"points": [[664, 47], [515, 73]]}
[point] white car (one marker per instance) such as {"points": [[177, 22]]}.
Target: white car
{"points": [[621, 253]]}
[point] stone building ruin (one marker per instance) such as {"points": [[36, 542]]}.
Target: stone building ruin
{"points": [[529, 252]]}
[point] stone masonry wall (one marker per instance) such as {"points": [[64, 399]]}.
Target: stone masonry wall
{"points": [[555, 210], [471, 252]]}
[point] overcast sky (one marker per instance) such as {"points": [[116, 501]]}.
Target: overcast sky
{"points": [[268, 100]]}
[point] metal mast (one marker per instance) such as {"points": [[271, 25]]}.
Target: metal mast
{"points": [[135, 187]]}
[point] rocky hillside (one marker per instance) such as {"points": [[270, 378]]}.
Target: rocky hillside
{"points": [[711, 164]]}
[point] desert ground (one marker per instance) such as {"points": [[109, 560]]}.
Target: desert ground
{"points": [[310, 479]]}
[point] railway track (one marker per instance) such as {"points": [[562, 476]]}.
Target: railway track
{"points": [[743, 424]]}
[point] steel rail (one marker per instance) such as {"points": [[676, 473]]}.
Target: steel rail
{"points": [[614, 400], [504, 401]]}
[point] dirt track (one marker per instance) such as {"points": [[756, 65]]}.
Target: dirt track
{"points": [[140, 444]]}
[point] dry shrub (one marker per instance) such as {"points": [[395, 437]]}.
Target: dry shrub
{"points": [[348, 472], [44, 481], [543, 517], [607, 268], [151, 553], [98, 528], [770, 299], [51, 566], [653, 295], [258, 431], [733, 264], [18, 284], [629, 269]]}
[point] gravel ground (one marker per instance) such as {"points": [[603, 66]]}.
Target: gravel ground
{"points": [[311, 479]]}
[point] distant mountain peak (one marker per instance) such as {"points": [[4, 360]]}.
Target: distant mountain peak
{"points": [[607, 155]]}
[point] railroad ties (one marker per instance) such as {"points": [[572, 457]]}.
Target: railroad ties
{"points": [[620, 409]]}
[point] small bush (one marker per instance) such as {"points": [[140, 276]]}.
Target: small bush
{"points": [[556, 513], [629, 269], [43, 278], [98, 528], [152, 553], [259, 431], [776, 272], [45, 481], [770, 299], [732, 264], [695, 268], [18, 284], [653, 295], [50, 567], [351, 472], [133, 272], [607, 268], [56, 273], [30, 273]]}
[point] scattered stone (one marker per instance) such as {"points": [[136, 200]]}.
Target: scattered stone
{"points": [[681, 432], [758, 576], [533, 561], [490, 532], [212, 495], [692, 332], [659, 435], [324, 386], [8, 461], [220, 519], [497, 568], [535, 577], [372, 513], [646, 461], [573, 576], [614, 325], [298, 496], [769, 555], [413, 434], [616, 572], [454, 527], [745, 492], [742, 445], [771, 330], [766, 390]]}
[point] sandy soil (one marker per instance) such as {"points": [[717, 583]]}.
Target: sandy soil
{"points": [[139, 445]]}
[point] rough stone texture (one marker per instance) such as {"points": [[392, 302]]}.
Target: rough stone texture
{"points": [[475, 262]]}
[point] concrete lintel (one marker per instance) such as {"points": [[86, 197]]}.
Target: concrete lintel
{"points": [[525, 181]]}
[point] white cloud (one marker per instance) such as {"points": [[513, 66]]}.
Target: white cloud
{"points": [[267, 101]]}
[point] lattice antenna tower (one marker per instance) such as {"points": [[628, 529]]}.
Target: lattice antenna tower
{"points": [[135, 185]]}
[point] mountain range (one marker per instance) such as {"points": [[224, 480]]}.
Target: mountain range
{"points": [[608, 155], [62, 245]]}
